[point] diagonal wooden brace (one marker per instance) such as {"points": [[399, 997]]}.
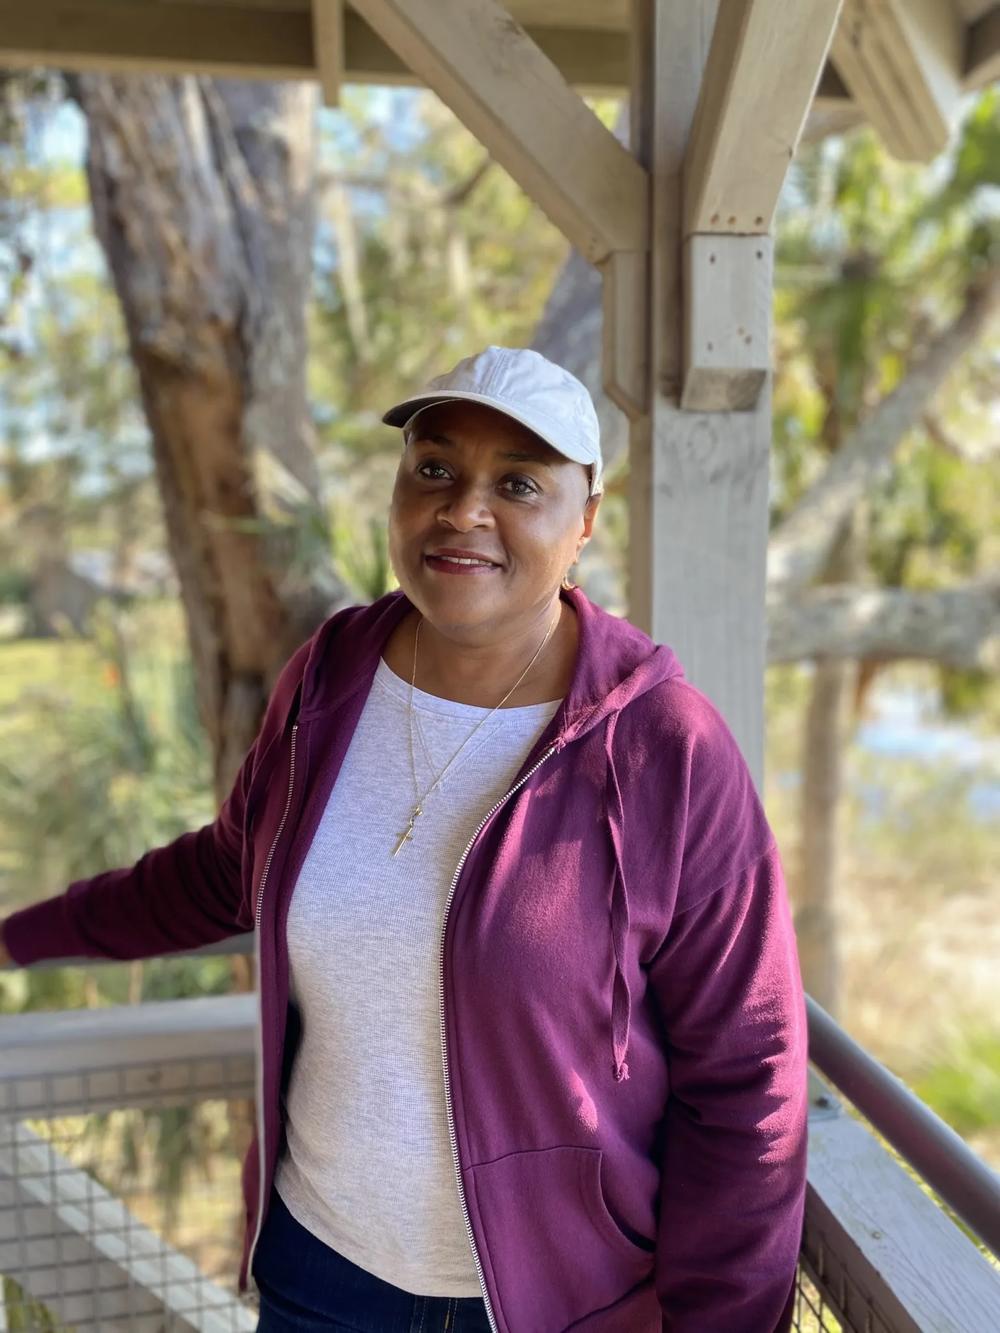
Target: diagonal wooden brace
{"points": [[510, 95]]}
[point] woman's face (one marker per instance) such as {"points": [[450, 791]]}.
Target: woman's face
{"points": [[474, 485]]}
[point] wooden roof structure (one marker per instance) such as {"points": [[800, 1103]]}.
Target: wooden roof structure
{"points": [[678, 221], [898, 65]]}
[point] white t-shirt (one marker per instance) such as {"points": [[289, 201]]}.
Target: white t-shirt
{"points": [[369, 1167]]}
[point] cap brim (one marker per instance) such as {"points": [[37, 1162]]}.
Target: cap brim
{"points": [[404, 412]]}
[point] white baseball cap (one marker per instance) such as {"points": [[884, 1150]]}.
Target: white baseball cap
{"points": [[528, 387]]}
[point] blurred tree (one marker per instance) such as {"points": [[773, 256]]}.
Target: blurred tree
{"points": [[869, 253], [203, 195]]}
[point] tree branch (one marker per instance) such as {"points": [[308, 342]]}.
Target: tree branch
{"points": [[951, 444], [800, 544], [958, 626]]}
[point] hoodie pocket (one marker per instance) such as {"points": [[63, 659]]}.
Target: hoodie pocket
{"points": [[555, 1252]]}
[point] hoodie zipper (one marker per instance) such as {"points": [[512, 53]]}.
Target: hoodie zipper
{"points": [[278, 832], [258, 907], [261, 1147], [444, 1034]]}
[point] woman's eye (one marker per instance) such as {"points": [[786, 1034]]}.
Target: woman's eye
{"points": [[521, 486], [432, 471]]}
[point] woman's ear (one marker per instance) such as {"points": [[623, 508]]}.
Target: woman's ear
{"points": [[589, 514]]}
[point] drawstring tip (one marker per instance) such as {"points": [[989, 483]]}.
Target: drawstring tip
{"points": [[621, 1072]]}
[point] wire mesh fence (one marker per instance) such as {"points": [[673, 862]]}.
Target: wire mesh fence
{"points": [[121, 1207], [129, 1216]]}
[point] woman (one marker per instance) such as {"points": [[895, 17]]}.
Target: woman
{"points": [[489, 825]]}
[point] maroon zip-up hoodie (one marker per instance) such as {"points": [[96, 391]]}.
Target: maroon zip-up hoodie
{"points": [[624, 1038]]}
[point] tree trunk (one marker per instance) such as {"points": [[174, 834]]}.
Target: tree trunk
{"points": [[202, 194], [958, 627], [824, 744], [819, 863]]}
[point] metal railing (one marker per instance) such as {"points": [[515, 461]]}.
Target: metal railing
{"points": [[944, 1160], [122, 1130]]}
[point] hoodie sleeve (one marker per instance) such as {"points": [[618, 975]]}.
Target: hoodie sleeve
{"points": [[180, 896], [728, 987]]}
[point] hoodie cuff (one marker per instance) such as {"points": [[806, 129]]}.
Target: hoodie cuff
{"points": [[43, 931]]}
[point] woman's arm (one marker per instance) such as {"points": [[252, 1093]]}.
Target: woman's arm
{"points": [[728, 986], [180, 896]]}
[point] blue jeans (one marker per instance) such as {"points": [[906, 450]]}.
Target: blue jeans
{"points": [[305, 1287]]}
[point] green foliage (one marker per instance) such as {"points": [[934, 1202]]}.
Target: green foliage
{"points": [[361, 553], [450, 254], [964, 1088], [873, 256], [24, 1315], [929, 517], [970, 695], [124, 770]]}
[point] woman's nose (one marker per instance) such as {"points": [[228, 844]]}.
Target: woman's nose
{"points": [[466, 508]]}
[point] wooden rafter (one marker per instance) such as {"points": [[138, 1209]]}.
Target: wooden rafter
{"points": [[511, 96], [204, 39], [764, 64], [245, 40], [982, 50], [763, 68], [328, 47], [902, 61]]}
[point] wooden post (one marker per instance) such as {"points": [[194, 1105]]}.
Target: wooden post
{"points": [[328, 47], [698, 480]]}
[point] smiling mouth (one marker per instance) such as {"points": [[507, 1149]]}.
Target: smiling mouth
{"points": [[447, 563]]}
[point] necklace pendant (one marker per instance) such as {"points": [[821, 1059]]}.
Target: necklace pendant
{"points": [[407, 833]]}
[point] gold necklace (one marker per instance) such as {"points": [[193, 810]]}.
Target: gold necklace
{"points": [[418, 808]]}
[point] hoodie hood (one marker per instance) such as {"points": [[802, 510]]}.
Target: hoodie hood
{"points": [[616, 664]]}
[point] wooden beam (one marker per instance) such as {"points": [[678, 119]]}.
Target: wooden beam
{"points": [[588, 58], [625, 332], [982, 51], [611, 15], [698, 482], [902, 61], [328, 47], [170, 1053], [244, 39], [511, 96], [883, 1252], [727, 321], [763, 69], [203, 39]]}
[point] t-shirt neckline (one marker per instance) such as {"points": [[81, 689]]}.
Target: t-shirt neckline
{"points": [[434, 703]]}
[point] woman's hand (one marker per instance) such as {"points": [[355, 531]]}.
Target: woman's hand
{"points": [[5, 958]]}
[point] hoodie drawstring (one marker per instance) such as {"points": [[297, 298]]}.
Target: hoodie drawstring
{"points": [[621, 998]]}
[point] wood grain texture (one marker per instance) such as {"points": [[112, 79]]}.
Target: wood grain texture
{"points": [[727, 321], [902, 61], [328, 47], [625, 338], [261, 39], [763, 69], [698, 481], [511, 96], [873, 1233]]}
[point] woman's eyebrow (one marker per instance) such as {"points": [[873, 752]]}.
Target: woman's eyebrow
{"points": [[527, 458], [513, 455]]}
